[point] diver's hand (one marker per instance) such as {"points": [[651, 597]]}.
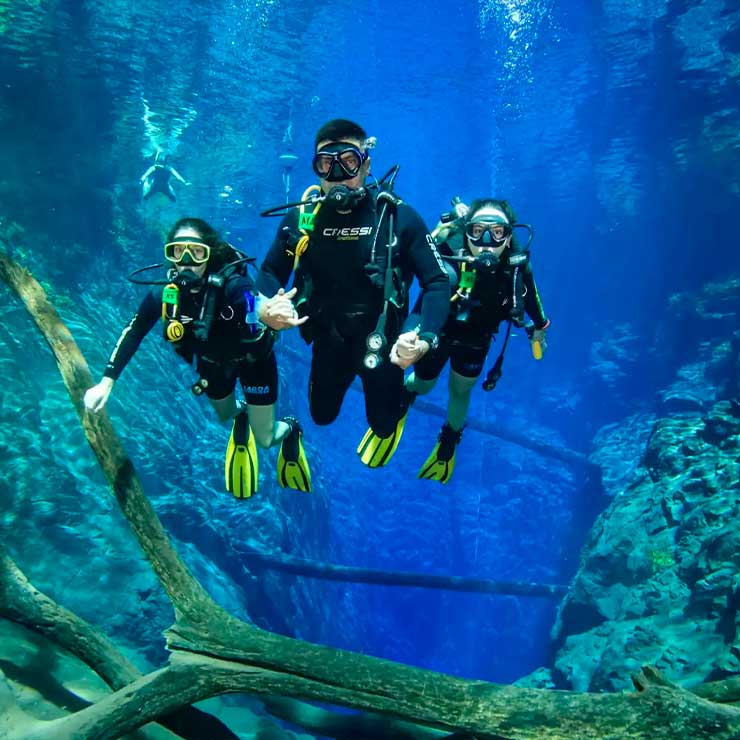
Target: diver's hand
{"points": [[408, 349], [279, 312], [97, 396]]}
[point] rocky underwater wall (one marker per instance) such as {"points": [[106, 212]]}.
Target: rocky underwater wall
{"points": [[659, 580]]}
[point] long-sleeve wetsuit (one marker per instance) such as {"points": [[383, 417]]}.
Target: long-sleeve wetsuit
{"points": [[344, 302], [227, 349], [503, 293]]}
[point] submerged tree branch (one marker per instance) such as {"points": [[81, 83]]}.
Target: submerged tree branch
{"points": [[331, 572], [184, 590], [23, 604], [214, 653]]}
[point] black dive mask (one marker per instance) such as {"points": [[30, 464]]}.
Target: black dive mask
{"points": [[342, 198], [488, 231], [339, 161]]}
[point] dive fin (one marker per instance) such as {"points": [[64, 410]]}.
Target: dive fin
{"points": [[241, 464], [376, 451], [292, 465], [441, 463]]}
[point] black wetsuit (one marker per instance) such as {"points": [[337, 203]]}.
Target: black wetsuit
{"points": [[159, 182], [344, 303], [230, 351], [505, 293]]}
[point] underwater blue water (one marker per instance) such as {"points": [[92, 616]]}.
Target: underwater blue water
{"points": [[611, 128]]}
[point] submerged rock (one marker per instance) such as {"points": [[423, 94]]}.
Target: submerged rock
{"points": [[659, 580]]}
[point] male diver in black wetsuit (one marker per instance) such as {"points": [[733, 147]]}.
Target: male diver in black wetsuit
{"points": [[209, 314], [352, 302], [495, 283]]}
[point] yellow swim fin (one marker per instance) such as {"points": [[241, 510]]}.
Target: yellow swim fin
{"points": [[241, 464], [441, 463], [292, 465], [376, 451]]}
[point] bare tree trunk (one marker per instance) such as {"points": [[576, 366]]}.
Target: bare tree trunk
{"points": [[20, 602]]}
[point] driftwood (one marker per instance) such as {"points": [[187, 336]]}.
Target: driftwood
{"points": [[214, 653], [346, 726], [329, 572], [20, 602]]}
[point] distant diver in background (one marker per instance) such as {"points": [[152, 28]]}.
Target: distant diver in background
{"points": [[494, 283], [157, 178], [209, 312], [353, 252]]}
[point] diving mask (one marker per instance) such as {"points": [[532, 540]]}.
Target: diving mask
{"points": [[338, 161], [488, 229], [178, 251]]}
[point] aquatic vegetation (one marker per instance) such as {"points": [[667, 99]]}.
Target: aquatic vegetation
{"points": [[660, 560]]}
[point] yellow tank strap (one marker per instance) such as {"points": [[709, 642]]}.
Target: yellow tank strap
{"points": [[303, 242]]}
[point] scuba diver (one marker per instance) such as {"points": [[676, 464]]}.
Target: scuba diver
{"points": [[209, 313], [494, 283], [157, 178], [354, 251]]}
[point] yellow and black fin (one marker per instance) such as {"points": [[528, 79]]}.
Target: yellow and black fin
{"points": [[375, 451], [241, 464], [441, 463], [292, 465]]}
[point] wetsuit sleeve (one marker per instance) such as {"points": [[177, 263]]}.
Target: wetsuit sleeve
{"points": [[131, 337], [278, 263], [532, 302], [424, 260], [413, 322]]}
